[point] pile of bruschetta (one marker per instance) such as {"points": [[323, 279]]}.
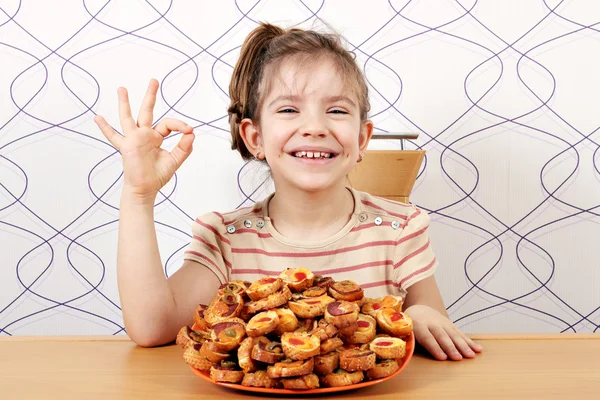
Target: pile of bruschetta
{"points": [[296, 331]]}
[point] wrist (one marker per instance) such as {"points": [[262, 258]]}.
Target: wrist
{"points": [[133, 198]]}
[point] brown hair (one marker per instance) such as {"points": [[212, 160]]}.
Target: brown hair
{"points": [[268, 45]]}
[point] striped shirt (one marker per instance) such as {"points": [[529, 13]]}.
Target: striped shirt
{"points": [[384, 247]]}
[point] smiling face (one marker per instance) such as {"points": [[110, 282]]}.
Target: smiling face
{"points": [[310, 128]]}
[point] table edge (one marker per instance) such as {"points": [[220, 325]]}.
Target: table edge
{"points": [[476, 337]]}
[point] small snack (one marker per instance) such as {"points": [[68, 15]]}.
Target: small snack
{"points": [[315, 291], [298, 279], [329, 345], [346, 291], [383, 369], [227, 335], [266, 351], [324, 330], [262, 323], [228, 305], [357, 360], [226, 372], [260, 379], [393, 322], [327, 363], [212, 354], [341, 313], [263, 288], [342, 378], [300, 346], [310, 307], [288, 368], [187, 335], [323, 281], [310, 381], [235, 287], [192, 357], [388, 347], [288, 322], [366, 330], [371, 306], [247, 364], [199, 320], [271, 301]]}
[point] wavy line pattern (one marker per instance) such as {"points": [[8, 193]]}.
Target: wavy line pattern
{"points": [[502, 94]]}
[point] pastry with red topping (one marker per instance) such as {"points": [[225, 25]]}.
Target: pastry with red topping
{"points": [[228, 305], [395, 323], [310, 307], [262, 323], [298, 279], [388, 347], [371, 306], [288, 322], [263, 287], [365, 332], [267, 351], [300, 346], [341, 314], [274, 300], [227, 335]]}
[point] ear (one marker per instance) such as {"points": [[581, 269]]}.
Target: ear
{"points": [[366, 131], [252, 138]]}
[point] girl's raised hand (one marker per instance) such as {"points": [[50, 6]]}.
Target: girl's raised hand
{"points": [[146, 166]]}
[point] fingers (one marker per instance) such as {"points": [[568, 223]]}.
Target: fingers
{"points": [[474, 346], [109, 133], [168, 125], [146, 114], [183, 148], [445, 342], [458, 338], [427, 340], [127, 122]]}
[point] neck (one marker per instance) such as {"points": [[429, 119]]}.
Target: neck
{"points": [[298, 214]]}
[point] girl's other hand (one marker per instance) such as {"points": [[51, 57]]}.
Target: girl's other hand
{"points": [[439, 336], [146, 166]]}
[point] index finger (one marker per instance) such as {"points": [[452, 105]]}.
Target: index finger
{"points": [[127, 122]]}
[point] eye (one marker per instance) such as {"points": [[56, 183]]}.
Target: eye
{"points": [[337, 111], [287, 110]]}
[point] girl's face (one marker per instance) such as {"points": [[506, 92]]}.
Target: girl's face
{"points": [[310, 129]]}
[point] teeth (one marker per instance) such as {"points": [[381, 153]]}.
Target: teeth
{"points": [[312, 154]]}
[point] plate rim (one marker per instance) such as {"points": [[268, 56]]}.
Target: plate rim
{"points": [[410, 348]]}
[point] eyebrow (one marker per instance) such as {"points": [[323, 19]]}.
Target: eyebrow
{"points": [[329, 99]]}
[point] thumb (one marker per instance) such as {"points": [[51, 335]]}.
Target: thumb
{"points": [[183, 148]]}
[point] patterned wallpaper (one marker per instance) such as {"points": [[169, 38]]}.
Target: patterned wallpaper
{"points": [[503, 94]]}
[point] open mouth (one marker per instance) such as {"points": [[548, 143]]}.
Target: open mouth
{"points": [[315, 155]]}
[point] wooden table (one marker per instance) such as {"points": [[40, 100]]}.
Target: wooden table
{"points": [[562, 367]]}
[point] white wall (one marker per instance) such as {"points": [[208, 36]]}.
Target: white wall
{"points": [[504, 97]]}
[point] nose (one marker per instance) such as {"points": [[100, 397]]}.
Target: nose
{"points": [[315, 126]]}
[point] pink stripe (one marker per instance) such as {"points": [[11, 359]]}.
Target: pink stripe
{"points": [[412, 235], [371, 225], [380, 283], [419, 271], [220, 216], [412, 255], [195, 253], [213, 230], [258, 271], [215, 249], [313, 254], [368, 203]]}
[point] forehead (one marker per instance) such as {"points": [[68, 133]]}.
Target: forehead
{"points": [[296, 77]]}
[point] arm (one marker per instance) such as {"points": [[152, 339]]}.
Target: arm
{"points": [[154, 308], [425, 292]]}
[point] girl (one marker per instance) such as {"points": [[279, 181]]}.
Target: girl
{"points": [[299, 102]]}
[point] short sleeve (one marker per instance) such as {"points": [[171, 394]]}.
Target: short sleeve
{"points": [[209, 246], [414, 259]]}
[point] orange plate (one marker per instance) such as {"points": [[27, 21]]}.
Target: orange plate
{"points": [[410, 348]]}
